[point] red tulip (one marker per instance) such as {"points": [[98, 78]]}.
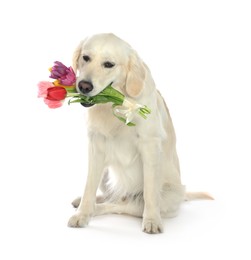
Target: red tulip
{"points": [[53, 96], [56, 93]]}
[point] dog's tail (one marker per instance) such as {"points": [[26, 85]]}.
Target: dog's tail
{"points": [[198, 196]]}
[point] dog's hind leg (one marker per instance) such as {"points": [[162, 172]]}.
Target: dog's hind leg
{"points": [[128, 208], [99, 199], [75, 203]]}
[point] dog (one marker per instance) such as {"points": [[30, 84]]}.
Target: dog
{"points": [[136, 168]]}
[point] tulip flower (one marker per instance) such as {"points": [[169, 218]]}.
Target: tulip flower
{"points": [[63, 74], [53, 96]]}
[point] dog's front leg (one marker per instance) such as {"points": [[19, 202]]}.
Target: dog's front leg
{"points": [[95, 171], [150, 153]]}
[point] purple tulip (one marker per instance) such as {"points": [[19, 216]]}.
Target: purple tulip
{"points": [[66, 76]]}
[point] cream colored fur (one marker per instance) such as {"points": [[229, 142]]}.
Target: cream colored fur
{"points": [[136, 168]]}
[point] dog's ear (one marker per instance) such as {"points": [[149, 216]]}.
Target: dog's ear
{"points": [[135, 76], [76, 55]]}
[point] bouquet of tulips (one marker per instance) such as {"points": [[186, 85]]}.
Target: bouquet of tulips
{"points": [[63, 86]]}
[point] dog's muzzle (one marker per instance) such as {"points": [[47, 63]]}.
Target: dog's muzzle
{"points": [[85, 87]]}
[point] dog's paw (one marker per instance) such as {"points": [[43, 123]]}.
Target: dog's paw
{"points": [[152, 226], [75, 203], [79, 220]]}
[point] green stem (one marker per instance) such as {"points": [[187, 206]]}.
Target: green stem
{"points": [[73, 94], [109, 94]]}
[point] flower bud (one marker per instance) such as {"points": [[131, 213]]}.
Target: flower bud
{"points": [[66, 76], [56, 93]]}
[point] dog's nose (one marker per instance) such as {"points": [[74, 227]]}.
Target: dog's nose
{"points": [[85, 86]]}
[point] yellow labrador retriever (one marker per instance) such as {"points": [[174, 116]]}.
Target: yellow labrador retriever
{"points": [[136, 168]]}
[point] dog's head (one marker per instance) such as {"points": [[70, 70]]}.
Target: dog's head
{"points": [[104, 59]]}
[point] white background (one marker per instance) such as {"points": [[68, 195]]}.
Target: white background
{"points": [[199, 53]]}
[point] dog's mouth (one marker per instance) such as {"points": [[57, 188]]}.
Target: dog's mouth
{"points": [[90, 104], [87, 104]]}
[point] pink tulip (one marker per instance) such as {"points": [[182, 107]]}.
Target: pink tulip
{"points": [[65, 75], [43, 87], [52, 103]]}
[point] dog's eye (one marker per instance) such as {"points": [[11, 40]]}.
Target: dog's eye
{"points": [[108, 64], [86, 58]]}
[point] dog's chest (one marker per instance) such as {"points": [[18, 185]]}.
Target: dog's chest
{"points": [[120, 141], [102, 120], [121, 150]]}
